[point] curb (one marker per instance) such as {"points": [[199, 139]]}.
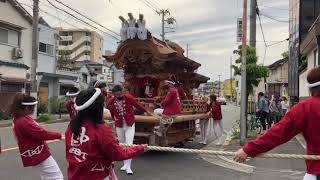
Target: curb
{"points": [[301, 141], [43, 123]]}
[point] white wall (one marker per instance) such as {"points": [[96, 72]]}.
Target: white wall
{"points": [[10, 14], [13, 72], [46, 62], [303, 89]]}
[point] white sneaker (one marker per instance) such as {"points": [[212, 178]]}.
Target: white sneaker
{"points": [[129, 171], [204, 143], [123, 168], [218, 144]]}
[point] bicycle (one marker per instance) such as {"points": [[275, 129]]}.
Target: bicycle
{"points": [[255, 123]]}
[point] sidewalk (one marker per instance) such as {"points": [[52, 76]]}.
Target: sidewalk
{"points": [[55, 119]]}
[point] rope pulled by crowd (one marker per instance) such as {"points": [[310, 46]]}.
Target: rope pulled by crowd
{"points": [[228, 153]]}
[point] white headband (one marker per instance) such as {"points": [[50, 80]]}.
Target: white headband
{"points": [[170, 82], [72, 94], [313, 84], [89, 102], [29, 103]]}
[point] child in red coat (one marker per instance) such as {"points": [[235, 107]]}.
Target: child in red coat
{"points": [[72, 94], [91, 147], [31, 138], [302, 118]]}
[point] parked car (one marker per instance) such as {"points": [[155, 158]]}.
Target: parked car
{"points": [[222, 100]]}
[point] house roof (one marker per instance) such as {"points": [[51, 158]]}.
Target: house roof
{"points": [[60, 76], [278, 63], [13, 64], [25, 13]]}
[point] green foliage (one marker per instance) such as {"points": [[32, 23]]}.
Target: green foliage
{"points": [[42, 108], [285, 55], [254, 72], [303, 63], [58, 105], [44, 117], [235, 132], [5, 115]]}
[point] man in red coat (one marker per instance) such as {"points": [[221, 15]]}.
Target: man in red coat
{"points": [[303, 118], [121, 107], [72, 94], [171, 104]]}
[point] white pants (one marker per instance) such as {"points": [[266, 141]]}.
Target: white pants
{"points": [[309, 177], [204, 130], [158, 111], [126, 136], [49, 170], [218, 128]]}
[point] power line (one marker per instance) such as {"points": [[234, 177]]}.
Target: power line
{"points": [[272, 7], [150, 6], [273, 18], [263, 36], [75, 17], [152, 3], [65, 5]]}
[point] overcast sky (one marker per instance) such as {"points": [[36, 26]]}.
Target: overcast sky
{"points": [[209, 26]]}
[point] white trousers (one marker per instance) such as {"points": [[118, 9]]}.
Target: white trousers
{"points": [[126, 136], [49, 170], [218, 129], [310, 177], [204, 130]]}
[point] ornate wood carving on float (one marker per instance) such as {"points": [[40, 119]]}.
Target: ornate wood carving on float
{"points": [[147, 62]]}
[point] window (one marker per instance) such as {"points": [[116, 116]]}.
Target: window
{"points": [[46, 48], [3, 1], [10, 37], [84, 78], [87, 33], [104, 71]]}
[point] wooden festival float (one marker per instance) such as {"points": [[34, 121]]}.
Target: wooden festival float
{"points": [[147, 62]]}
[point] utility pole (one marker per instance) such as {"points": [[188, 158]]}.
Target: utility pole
{"points": [[219, 85], [35, 44], [163, 13], [231, 92], [253, 22], [243, 117]]}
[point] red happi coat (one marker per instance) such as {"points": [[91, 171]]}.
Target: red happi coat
{"points": [[302, 118], [128, 102], [31, 140], [91, 154], [171, 104], [71, 110], [215, 109]]}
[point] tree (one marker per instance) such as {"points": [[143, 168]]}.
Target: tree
{"points": [[254, 72]]}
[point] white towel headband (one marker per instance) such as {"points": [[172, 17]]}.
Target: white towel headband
{"points": [[313, 84], [89, 102]]}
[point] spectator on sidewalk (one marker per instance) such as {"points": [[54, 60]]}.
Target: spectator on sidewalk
{"points": [[284, 106], [204, 123], [263, 110], [275, 110], [302, 118]]}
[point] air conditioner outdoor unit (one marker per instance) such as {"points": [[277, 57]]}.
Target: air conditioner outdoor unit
{"points": [[17, 53]]}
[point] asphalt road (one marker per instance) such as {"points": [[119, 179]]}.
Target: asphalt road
{"points": [[149, 166]]}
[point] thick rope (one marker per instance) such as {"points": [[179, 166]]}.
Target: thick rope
{"points": [[228, 153]]}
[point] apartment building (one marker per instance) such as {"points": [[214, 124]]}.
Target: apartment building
{"points": [[80, 45]]}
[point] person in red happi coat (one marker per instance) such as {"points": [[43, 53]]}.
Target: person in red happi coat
{"points": [[91, 147], [304, 118], [31, 137], [171, 104], [72, 94], [121, 107]]}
